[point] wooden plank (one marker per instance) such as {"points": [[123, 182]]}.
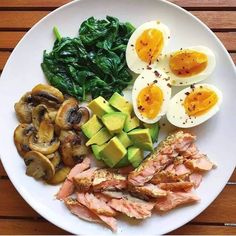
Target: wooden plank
{"points": [[205, 3], [58, 3], [16, 206], [225, 202], [32, 3], [3, 58], [222, 20], [8, 40], [204, 230], [233, 177], [2, 171], [30, 226]]}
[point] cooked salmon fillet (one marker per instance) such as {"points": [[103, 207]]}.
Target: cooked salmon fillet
{"points": [[84, 180], [163, 156], [81, 211], [174, 199], [196, 179], [178, 186], [200, 164], [134, 209], [68, 187], [109, 220]]}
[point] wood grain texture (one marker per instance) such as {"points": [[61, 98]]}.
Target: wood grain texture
{"points": [[204, 230], [17, 207], [8, 40], [3, 58], [2, 170], [26, 19], [58, 3]]}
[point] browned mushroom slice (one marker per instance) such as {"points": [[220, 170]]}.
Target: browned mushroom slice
{"points": [[38, 165], [59, 176], [44, 141], [38, 114], [70, 115], [21, 138], [47, 95], [55, 159], [23, 108], [72, 150]]}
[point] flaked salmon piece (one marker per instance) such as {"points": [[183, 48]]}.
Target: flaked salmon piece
{"points": [[68, 187], [166, 177], [134, 209], [175, 199], [125, 170], [196, 179], [109, 220], [113, 194], [148, 190], [163, 156], [181, 169], [81, 211], [66, 190], [200, 164], [84, 180], [98, 206], [178, 186], [105, 179], [191, 151], [79, 168]]}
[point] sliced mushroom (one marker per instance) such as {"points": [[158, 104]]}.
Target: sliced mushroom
{"points": [[59, 176], [70, 115], [38, 166], [21, 138], [47, 95], [38, 114], [72, 150], [55, 159], [44, 141], [64, 133], [23, 108]]}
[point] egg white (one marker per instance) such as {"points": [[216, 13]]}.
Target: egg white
{"points": [[146, 78], [183, 81], [177, 116], [133, 61]]}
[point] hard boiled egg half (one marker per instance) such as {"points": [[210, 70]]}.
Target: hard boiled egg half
{"points": [[194, 105], [189, 65], [146, 45], [150, 95]]}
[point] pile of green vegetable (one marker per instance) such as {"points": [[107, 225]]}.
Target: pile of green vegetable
{"points": [[92, 63]]}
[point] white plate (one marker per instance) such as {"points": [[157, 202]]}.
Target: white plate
{"points": [[216, 137]]}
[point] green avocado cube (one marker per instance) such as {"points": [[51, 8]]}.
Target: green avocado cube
{"points": [[120, 103], [141, 138], [123, 162], [113, 152], [91, 127], [99, 106], [114, 121], [153, 130], [124, 138], [96, 150], [135, 156], [131, 123], [101, 137]]}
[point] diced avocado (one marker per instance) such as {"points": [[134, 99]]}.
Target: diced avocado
{"points": [[120, 103], [124, 138], [153, 130], [113, 152], [96, 149], [141, 138], [123, 162], [99, 106], [91, 127], [114, 121], [102, 136], [131, 123], [135, 156]]}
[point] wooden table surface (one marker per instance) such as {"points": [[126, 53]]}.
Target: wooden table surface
{"points": [[16, 18]]}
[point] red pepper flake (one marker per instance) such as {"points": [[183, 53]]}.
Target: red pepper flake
{"points": [[157, 74], [147, 98], [149, 67]]}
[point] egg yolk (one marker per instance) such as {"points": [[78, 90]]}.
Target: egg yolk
{"points": [[149, 45], [149, 101], [200, 101], [186, 63]]}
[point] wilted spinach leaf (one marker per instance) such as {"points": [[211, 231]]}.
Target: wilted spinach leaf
{"points": [[91, 63]]}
